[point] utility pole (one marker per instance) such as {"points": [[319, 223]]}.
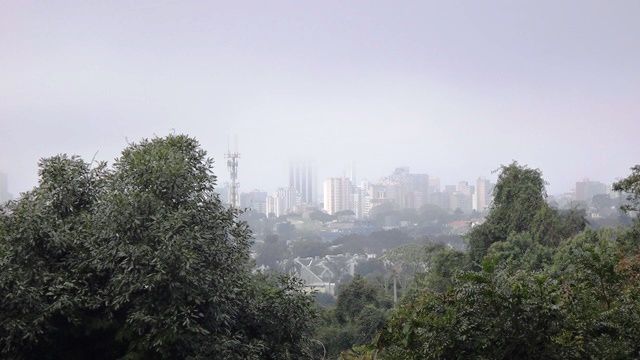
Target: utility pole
{"points": [[395, 291], [397, 268]]}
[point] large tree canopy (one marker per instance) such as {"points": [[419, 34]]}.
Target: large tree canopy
{"points": [[139, 261], [520, 205], [542, 287]]}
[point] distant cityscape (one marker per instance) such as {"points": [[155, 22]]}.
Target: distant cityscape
{"points": [[326, 232], [401, 189]]}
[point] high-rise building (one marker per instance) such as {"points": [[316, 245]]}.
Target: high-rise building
{"points": [[460, 200], [464, 187], [375, 195], [284, 201], [586, 190], [457, 197], [484, 191], [359, 196], [434, 185], [270, 206], [337, 195], [406, 190], [255, 200], [418, 194], [302, 177], [450, 188]]}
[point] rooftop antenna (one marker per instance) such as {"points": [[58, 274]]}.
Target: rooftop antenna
{"points": [[232, 165]]}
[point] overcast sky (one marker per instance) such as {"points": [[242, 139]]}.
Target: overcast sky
{"points": [[450, 88]]}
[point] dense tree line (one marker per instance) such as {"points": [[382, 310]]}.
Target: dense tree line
{"points": [[139, 261], [535, 285]]}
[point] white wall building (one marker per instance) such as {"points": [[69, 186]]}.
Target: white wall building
{"points": [[484, 190], [284, 201], [337, 194]]}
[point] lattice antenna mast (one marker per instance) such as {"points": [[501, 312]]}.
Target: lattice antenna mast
{"points": [[232, 165]]}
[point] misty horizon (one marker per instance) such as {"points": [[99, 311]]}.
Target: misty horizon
{"points": [[319, 180], [280, 180], [452, 90]]}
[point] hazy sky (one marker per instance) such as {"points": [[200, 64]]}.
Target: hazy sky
{"points": [[451, 88]]}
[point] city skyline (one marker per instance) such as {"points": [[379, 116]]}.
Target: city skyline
{"points": [[402, 190], [222, 175]]}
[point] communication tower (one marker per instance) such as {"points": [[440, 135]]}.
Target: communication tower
{"points": [[232, 165]]}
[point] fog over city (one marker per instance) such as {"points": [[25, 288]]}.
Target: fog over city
{"points": [[451, 89], [333, 179]]}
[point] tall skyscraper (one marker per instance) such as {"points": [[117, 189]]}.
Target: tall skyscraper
{"points": [[337, 195], [434, 185], [359, 197], [484, 190], [302, 177]]}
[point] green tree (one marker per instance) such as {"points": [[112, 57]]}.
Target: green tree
{"points": [[551, 226], [354, 296], [547, 288], [432, 266], [344, 213], [360, 313], [518, 196], [309, 248], [443, 265], [519, 251], [47, 268], [321, 216], [485, 315], [630, 186], [271, 251], [139, 261]]}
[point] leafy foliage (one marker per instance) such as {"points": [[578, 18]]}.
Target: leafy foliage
{"points": [[520, 206], [360, 313], [630, 186], [518, 196], [542, 287], [139, 261]]}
